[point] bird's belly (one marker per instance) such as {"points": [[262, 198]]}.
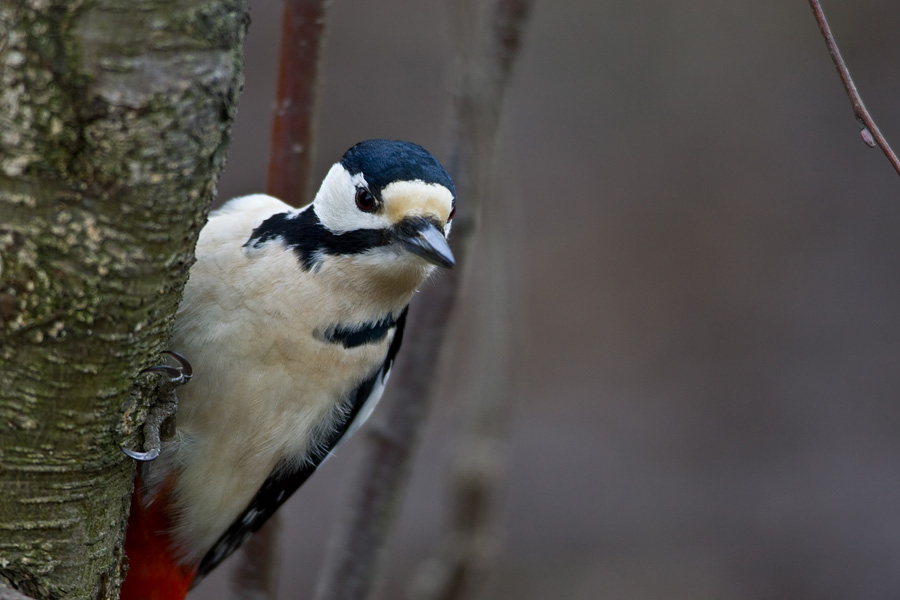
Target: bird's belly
{"points": [[257, 398]]}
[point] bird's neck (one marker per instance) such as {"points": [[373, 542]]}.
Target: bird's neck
{"points": [[362, 281]]}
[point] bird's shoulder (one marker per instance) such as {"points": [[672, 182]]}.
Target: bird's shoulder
{"points": [[258, 206], [231, 225]]}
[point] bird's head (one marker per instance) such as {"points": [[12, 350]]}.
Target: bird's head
{"points": [[389, 201]]}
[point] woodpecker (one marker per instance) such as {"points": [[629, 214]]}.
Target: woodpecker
{"points": [[291, 320]]}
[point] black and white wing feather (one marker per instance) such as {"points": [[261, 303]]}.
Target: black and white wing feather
{"points": [[286, 479]]}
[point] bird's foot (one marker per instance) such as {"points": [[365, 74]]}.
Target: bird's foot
{"points": [[160, 423]]}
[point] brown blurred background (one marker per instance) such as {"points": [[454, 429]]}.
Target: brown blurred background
{"points": [[709, 258]]}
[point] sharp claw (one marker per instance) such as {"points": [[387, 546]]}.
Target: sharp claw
{"points": [[185, 365], [142, 456], [161, 413]]}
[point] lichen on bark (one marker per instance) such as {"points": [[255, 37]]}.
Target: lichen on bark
{"points": [[114, 120]]}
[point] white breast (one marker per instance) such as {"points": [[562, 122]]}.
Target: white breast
{"points": [[263, 383]]}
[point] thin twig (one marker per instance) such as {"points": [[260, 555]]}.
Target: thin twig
{"points": [[293, 129], [471, 537], [871, 135], [355, 549], [355, 553]]}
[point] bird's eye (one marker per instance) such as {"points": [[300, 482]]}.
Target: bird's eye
{"points": [[365, 201], [452, 212]]}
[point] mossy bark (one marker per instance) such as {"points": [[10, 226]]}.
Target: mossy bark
{"points": [[114, 120]]}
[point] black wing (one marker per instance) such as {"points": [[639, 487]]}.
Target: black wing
{"points": [[285, 480]]}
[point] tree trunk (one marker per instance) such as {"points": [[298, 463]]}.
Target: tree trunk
{"points": [[114, 120]]}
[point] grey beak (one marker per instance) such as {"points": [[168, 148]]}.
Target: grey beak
{"points": [[423, 238]]}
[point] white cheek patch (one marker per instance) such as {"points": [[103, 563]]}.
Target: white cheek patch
{"points": [[336, 203], [416, 199]]}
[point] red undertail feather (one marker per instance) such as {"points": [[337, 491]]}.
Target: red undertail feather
{"points": [[153, 573]]}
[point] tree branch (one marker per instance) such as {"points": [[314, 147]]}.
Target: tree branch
{"points": [[111, 146], [471, 533], [293, 129], [488, 37], [870, 133]]}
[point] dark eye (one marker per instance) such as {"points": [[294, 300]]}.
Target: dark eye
{"points": [[452, 212], [365, 201]]}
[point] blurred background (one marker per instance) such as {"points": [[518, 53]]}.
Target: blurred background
{"points": [[707, 262]]}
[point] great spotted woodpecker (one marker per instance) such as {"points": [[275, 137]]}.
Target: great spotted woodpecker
{"points": [[291, 320]]}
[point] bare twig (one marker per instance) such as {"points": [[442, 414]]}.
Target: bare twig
{"points": [[293, 129], [355, 552], [870, 133], [471, 534], [289, 178]]}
